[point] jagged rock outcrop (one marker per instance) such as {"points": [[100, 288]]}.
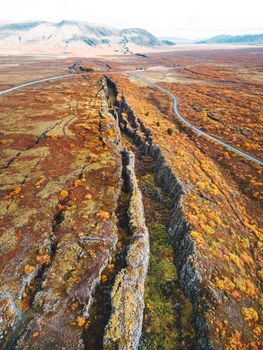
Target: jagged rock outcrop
{"points": [[124, 328], [190, 272]]}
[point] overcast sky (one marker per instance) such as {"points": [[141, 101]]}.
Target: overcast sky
{"points": [[183, 18]]}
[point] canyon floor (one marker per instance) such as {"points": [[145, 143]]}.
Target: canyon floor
{"points": [[121, 226]]}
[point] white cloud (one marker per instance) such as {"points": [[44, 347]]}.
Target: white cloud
{"points": [[184, 18]]}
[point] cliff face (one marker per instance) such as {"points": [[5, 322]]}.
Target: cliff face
{"points": [[125, 324], [190, 272]]}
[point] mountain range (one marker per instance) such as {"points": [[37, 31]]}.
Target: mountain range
{"points": [[234, 39], [67, 36], [176, 40]]}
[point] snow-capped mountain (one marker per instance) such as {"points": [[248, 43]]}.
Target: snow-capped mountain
{"points": [[68, 35]]}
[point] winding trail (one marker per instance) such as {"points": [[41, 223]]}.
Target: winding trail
{"points": [[148, 82], [201, 132], [37, 82], [194, 128]]}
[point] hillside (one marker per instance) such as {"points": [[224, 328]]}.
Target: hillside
{"points": [[71, 35], [234, 39], [176, 40]]}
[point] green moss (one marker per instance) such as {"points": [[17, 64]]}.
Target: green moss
{"points": [[160, 315], [161, 320], [148, 179], [163, 270], [88, 70], [129, 139], [170, 131], [124, 198], [159, 234]]}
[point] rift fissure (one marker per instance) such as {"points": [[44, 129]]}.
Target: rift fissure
{"points": [[179, 229], [100, 310]]}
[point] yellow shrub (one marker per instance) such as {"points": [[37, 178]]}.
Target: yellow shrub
{"points": [[29, 268], [36, 334], [40, 181], [104, 278], [111, 133], [14, 193], [249, 314], [246, 286], [197, 236], [224, 284], [258, 331], [251, 289], [247, 258], [63, 194], [254, 229], [77, 182], [241, 284], [235, 342], [235, 259], [103, 215], [80, 321], [43, 259]]}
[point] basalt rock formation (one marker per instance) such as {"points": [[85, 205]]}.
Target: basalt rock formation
{"points": [[125, 324], [190, 272], [74, 244]]}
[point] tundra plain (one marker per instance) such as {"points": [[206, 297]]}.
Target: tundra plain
{"points": [[121, 226]]}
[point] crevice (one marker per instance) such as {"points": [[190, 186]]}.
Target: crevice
{"points": [[27, 297], [101, 129], [21, 184], [34, 285], [39, 138], [67, 123], [184, 247], [123, 330], [100, 310], [168, 317], [113, 319]]}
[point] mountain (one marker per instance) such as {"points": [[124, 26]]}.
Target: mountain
{"points": [[168, 42], [176, 40], [71, 35], [234, 39]]}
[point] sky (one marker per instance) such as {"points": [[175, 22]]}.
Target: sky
{"points": [[193, 19]]}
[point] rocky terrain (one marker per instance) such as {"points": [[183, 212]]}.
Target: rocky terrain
{"points": [[120, 228]]}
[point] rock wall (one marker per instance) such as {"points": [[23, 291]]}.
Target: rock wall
{"points": [[186, 257], [125, 324]]}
